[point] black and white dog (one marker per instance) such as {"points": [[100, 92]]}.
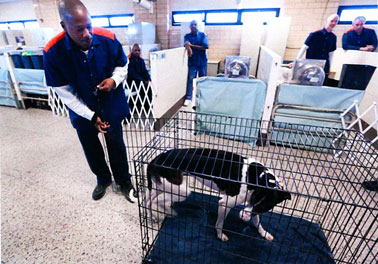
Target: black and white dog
{"points": [[238, 179]]}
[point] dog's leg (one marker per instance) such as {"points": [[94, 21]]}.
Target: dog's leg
{"points": [[151, 200], [265, 234], [224, 206], [172, 193], [153, 194]]}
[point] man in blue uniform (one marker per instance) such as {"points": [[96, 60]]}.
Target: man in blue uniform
{"points": [[196, 44], [359, 37], [86, 66], [137, 70], [321, 43]]}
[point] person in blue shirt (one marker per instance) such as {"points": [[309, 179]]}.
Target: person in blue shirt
{"points": [[320, 44], [196, 44], [86, 66], [359, 37]]}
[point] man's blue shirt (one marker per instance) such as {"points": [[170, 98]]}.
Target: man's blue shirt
{"points": [[320, 43], [199, 57], [353, 41], [66, 64]]}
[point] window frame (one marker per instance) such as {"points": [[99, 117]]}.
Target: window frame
{"points": [[18, 21], [174, 23], [222, 23], [356, 7], [259, 10], [117, 15], [239, 11]]}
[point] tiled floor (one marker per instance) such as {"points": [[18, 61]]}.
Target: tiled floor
{"points": [[47, 213]]}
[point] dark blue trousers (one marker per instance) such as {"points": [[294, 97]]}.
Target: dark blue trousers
{"points": [[192, 73], [95, 156]]}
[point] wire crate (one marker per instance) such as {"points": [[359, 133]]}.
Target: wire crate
{"points": [[330, 218]]}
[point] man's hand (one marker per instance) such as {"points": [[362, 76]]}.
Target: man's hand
{"points": [[367, 48], [187, 44], [101, 126], [370, 47], [106, 85]]}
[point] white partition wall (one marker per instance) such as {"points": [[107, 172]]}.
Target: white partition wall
{"points": [[269, 71], [273, 36], [253, 35], [341, 57], [169, 71], [277, 34]]}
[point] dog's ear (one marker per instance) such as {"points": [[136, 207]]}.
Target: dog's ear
{"points": [[264, 199], [255, 169]]}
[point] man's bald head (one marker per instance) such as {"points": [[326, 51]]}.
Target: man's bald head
{"points": [[193, 26], [331, 22], [70, 8], [76, 22]]}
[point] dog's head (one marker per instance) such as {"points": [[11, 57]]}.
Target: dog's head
{"points": [[266, 191]]}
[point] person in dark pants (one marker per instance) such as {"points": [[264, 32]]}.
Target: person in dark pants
{"points": [[196, 44], [86, 66], [359, 37], [138, 73], [320, 44]]}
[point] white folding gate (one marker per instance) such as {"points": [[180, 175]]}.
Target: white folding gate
{"points": [[139, 97]]}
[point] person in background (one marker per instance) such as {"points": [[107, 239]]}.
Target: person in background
{"points": [[137, 73], [137, 70], [86, 66], [359, 37], [320, 44], [196, 44]]}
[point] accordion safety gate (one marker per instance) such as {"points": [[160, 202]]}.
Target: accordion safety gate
{"points": [[329, 217]]}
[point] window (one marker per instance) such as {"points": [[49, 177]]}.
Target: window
{"points": [[31, 24], [222, 17], [349, 13], [16, 25], [225, 16], [121, 21], [3, 26], [19, 25], [100, 22], [110, 21], [253, 15], [179, 17]]}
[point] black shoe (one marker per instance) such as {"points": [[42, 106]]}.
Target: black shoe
{"points": [[99, 191], [370, 185], [125, 190]]}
